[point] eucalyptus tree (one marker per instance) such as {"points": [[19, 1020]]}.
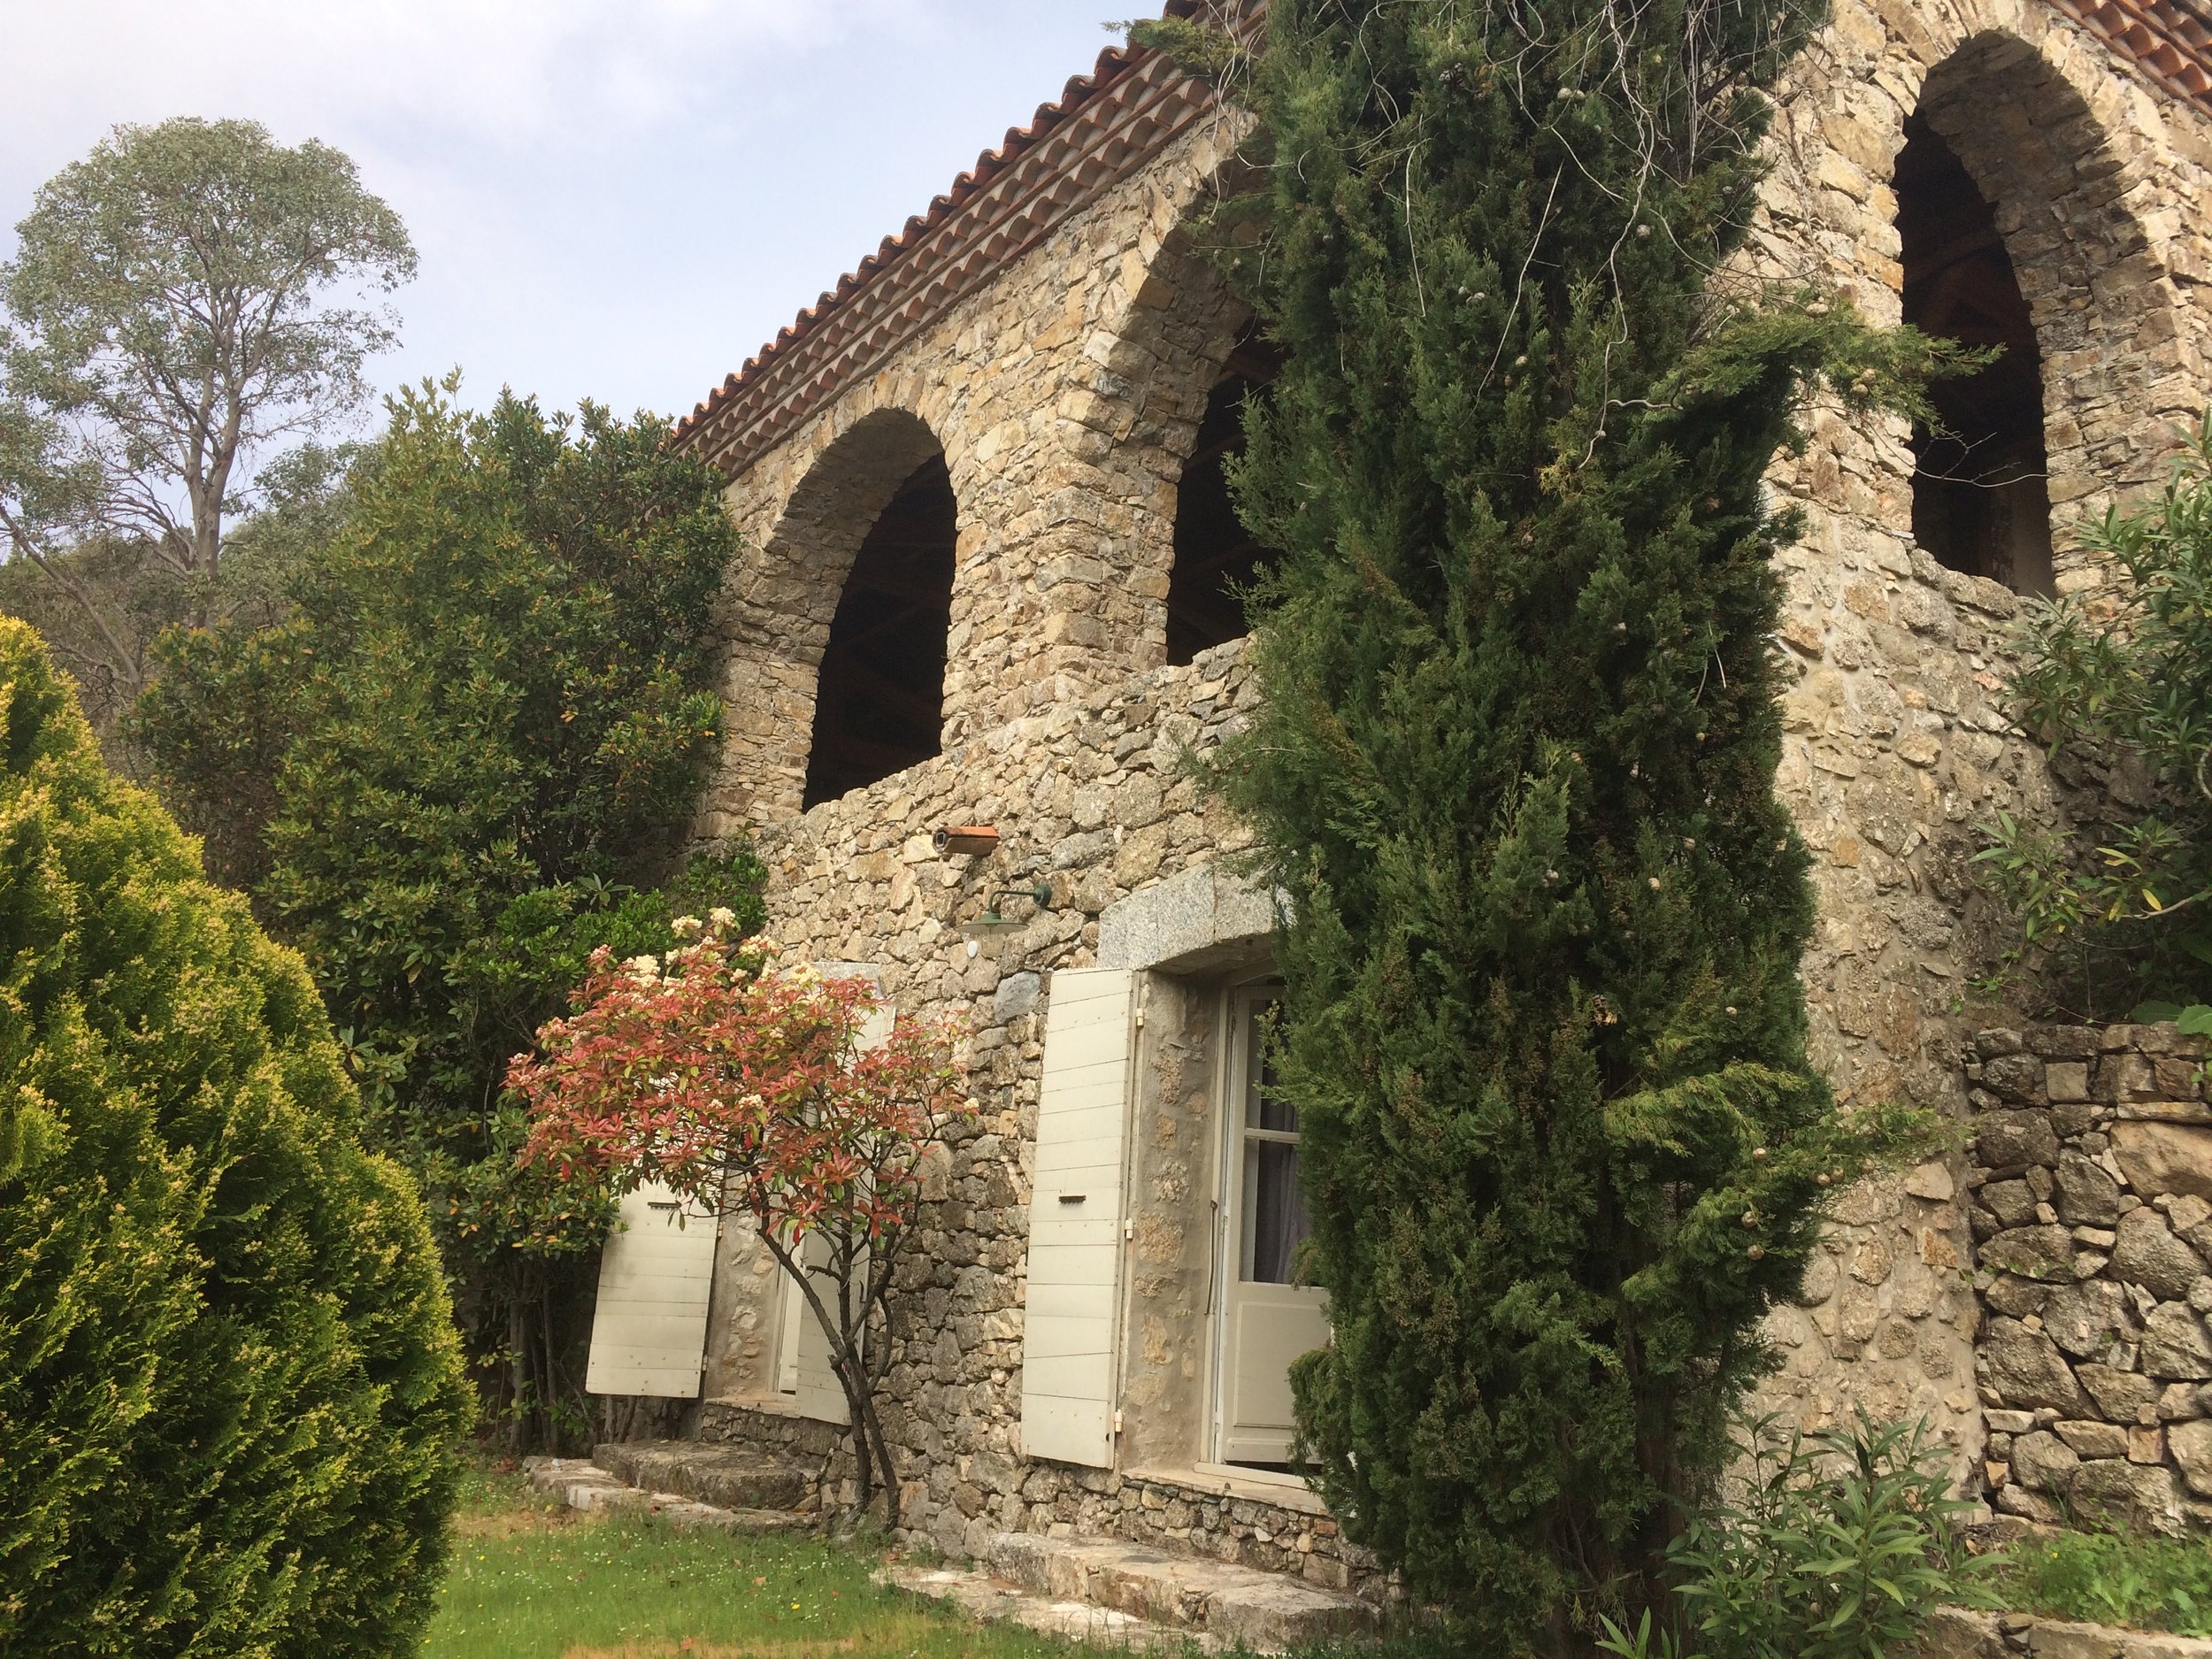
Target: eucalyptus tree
{"points": [[186, 303]]}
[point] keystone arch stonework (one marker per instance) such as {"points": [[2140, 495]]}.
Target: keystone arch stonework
{"points": [[779, 619], [2103, 306]]}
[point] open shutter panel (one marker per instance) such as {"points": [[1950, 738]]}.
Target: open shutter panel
{"points": [[813, 1383], [820, 1397], [648, 1330], [1075, 1210]]}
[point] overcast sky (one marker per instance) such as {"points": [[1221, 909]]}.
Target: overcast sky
{"points": [[621, 201]]}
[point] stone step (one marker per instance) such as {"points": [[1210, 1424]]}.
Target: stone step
{"points": [[725, 1476], [980, 1596], [1266, 1611], [583, 1485]]}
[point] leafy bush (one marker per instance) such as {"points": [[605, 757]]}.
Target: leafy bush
{"points": [[739, 1083], [1831, 1545], [229, 1384], [457, 764], [2162, 1584], [2121, 678]]}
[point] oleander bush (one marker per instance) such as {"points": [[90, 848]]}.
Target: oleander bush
{"points": [[1836, 1544]]}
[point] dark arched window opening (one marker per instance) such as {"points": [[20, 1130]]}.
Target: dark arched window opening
{"points": [[1215, 557], [878, 704], [1980, 502]]}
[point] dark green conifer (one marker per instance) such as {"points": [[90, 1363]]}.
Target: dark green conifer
{"points": [[229, 1383], [1515, 766]]}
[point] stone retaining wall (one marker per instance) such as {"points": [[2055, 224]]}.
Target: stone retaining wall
{"points": [[1280, 1530], [2091, 1176], [1955, 1633]]}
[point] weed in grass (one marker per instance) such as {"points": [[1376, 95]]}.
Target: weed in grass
{"points": [[2158, 1584]]}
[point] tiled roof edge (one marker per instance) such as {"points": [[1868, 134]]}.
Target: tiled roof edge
{"points": [[732, 412], [2169, 41]]}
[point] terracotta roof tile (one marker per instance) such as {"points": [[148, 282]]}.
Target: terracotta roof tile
{"points": [[1101, 127], [2170, 40], [1128, 88]]}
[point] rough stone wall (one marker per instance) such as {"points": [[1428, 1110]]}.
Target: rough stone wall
{"points": [[1092, 798], [1166, 1369], [1897, 746], [1063, 396], [743, 1314], [2091, 1177], [1273, 1529]]}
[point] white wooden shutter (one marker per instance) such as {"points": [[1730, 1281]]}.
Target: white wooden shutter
{"points": [[792, 1308], [818, 1394], [648, 1330], [1072, 1316], [805, 1358]]}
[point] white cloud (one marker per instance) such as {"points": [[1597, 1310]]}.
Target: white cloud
{"points": [[613, 198], [509, 72]]}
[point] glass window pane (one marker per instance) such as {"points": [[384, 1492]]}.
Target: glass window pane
{"points": [[1262, 1109], [1275, 1212]]}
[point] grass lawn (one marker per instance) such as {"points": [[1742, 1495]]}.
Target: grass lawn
{"points": [[533, 1580], [2156, 1584]]}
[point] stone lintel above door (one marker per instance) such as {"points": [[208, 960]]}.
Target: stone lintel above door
{"points": [[1203, 918]]}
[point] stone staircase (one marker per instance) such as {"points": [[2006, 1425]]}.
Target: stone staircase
{"points": [[1104, 1591], [687, 1483], [1136, 1595]]}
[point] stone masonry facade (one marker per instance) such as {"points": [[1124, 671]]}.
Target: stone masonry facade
{"points": [[1063, 389], [2090, 1176]]}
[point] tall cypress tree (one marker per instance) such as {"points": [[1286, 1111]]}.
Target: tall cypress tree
{"points": [[1563, 1144]]}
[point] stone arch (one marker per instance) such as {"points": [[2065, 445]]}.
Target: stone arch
{"points": [[837, 665], [1214, 557], [1182, 350], [2098, 305]]}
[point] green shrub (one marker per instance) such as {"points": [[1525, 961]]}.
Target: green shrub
{"points": [[457, 762], [2162, 1584], [2119, 680], [1836, 1545], [229, 1386]]}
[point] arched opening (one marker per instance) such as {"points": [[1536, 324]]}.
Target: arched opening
{"points": [[1215, 557], [1979, 497], [878, 701]]}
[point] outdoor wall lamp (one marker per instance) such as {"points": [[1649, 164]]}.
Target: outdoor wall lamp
{"points": [[991, 922]]}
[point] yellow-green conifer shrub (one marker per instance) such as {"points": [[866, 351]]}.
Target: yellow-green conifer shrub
{"points": [[229, 1384]]}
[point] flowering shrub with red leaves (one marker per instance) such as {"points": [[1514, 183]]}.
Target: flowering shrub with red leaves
{"points": [[746, 1084]]}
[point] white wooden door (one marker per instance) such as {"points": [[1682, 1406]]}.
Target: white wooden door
{"points": [[1072, 1311], [1267, 1320], [648, 1330]]}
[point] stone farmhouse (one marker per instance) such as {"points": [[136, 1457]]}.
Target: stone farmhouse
{"points": [[983, 617]]}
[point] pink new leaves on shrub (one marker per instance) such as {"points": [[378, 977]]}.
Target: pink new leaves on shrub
{"points": [[738, 1082]]}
